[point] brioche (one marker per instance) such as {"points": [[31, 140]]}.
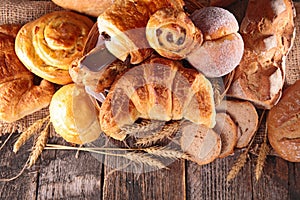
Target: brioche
{"points": [[18, 94], [73, 115], [244, 114], [200, 142], [172, 33], [159, 89], [268, 31], [227, 130], [49, 45], [90, 7], [123, 26], [283, 124]]}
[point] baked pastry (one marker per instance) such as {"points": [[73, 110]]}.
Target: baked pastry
{"points": [[268, 31], [172, 33], [159, 89], [200, 142], [90, 7], [18, 94], [49, 45], [223, 47], [244, 114], [228, 132], [73, 115], [283, 124], [123, 25]]}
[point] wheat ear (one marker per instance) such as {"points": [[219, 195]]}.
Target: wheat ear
{"points": [[238, 165], [30, 131], [166, 152], [143, 127]]}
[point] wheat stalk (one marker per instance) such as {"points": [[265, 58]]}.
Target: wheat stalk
{"points": [[39, 145], [6, 128], [166, 152], [143, 127], [238, 165], [167, 130], [142, 158], [262, 155], [30, 131]]}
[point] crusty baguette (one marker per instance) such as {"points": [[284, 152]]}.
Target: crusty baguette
{"points": [[200, 142], [244, 115], [227, 129]]}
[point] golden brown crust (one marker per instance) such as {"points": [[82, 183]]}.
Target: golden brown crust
{"points": [[172, 33], [124, 24], [49, 45], [283, 124], [153, 90], [18, 95]]}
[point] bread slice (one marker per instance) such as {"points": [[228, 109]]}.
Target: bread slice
{"points": [[227, 129], [244, 115], [200, 142]]}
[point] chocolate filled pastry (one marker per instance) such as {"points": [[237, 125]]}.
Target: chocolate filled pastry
{"points": [[159, 89], [172, 33], [49, 45], [123, 25], [19, 96]]}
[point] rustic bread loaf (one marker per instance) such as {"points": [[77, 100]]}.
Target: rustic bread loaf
{"points": [[244, 115], [228, 132], [73, 115], [200, 142], [283, 124], [19, 96]]}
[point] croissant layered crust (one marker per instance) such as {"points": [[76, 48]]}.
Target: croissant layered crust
{"points": [[172, 33], [123, 26], [158, 89], [49, 45]]}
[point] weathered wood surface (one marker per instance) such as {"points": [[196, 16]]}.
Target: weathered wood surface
{"points": [[60, 175]]}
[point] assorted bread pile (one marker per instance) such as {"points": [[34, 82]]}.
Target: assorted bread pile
{"points": [[165, 59]]}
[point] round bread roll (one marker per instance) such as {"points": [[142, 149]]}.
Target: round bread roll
{"points": [[283, 124], [49, 45], [215, 22], [73, 115], [219, 57]]}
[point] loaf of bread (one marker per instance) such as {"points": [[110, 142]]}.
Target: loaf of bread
{"points": [[159, 89], [200, 142], [244, 114], [49, 45], [19, 96], [123, 25], [90, 7], [223, 46], [172, 33], [283, 124], [268, 31], [73, 115]]}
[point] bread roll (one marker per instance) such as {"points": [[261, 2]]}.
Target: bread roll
{"points": [[49, 45], [159, 89], [172, 33], [73, 115], [18, 94], [123, 26], [90, 7], [283, 124]]}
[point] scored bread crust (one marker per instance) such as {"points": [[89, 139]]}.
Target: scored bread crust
{"points": [[18, 94], [283, 124], [159, 89], [48, 45]]}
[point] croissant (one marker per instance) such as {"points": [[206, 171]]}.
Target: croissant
{"points": [[123, 25], [158, 89], [172, 33], [18, 94]]}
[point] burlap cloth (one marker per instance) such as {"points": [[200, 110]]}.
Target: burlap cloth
{"points": [[23, 11]]}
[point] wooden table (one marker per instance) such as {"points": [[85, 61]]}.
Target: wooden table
{"points": [[60, 175]]}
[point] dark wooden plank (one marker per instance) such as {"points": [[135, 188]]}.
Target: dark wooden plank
{"points": [[294, 181], [158, 184], [63, 176], [10, 165], [209, 181]]}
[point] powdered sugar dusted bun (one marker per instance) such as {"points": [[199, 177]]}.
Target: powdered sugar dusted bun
{"points": [[218, 57], [215, 22]]}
